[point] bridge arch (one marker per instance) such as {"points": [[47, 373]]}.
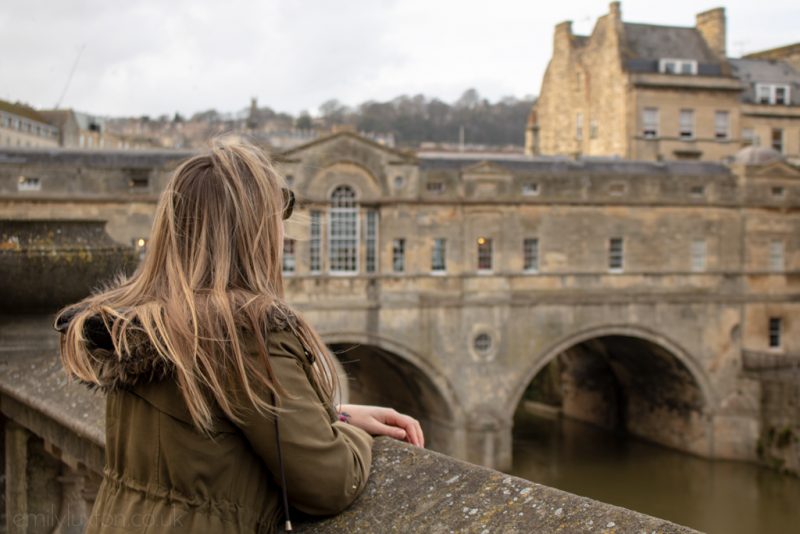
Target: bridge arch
{"points": [[383, 371], [632, 378]]}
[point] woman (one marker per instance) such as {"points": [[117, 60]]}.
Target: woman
{"points": [[219, 395]]}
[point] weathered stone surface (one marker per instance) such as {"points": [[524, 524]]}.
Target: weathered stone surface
{"points": [[415, 490]]}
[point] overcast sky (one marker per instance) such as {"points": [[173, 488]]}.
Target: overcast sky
{"points": [[162, 56]]}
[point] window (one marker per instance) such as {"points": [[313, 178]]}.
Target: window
{"points": [[289, 261], [617, 189], [593, 129], [698, 253], [749, 137], [399, 255], [771, 93], [776, 263], [315, 243], [484, 254], [530, 189], [372, 242], [579, 126], [615, 254], [289, 181], [686, 126], [650, 123], [28, 183], [777, 191], [139, 179], [435, 187], [482, 343], [439, 255], [343, 231], [677, 66], [722, 125], [399, 182], [775, 332], [530, 254], [697, 191], [777, 139]]}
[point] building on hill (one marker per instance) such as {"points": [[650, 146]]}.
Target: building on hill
{"points": [[642, 91], [22, 126]]}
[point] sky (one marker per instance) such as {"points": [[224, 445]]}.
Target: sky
{"points": [[153, 57]]}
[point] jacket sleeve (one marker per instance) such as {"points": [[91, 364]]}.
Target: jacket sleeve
{"points": [[326, 463]]}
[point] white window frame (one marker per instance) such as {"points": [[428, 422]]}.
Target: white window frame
{"points": [[439, 252], [315, 243], [336, 216], [29, 183], [682, 124], [579, 126], [769, 92], [722, 124], [530, 255], [650, 127], [371, 242], [679, 66], [616, 254], [530, 189]]}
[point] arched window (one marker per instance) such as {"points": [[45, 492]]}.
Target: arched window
{"points": [[343, 231]]}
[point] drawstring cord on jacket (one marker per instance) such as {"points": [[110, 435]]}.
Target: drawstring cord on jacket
{"points": [[288, 526]]}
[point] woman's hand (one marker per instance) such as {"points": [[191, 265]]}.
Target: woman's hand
{"points": [[380, 421]]}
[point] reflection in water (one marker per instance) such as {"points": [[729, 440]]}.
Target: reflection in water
{"points": [[712, 496]]}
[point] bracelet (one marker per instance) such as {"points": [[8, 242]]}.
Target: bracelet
{"points": [[344, 417]]}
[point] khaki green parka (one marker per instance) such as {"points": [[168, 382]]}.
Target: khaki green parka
{"points": [[163, 475]]}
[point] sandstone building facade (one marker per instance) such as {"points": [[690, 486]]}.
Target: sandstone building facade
{"points": [[22, 126], [648, 92], [447, 282]]}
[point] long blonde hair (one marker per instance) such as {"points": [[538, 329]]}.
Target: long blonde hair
{"points": [[213, 269]]}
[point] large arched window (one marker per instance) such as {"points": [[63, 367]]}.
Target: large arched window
{"points": [[343, 231]]}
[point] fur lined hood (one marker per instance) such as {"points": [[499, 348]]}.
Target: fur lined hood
{"points": [[142, 363]]}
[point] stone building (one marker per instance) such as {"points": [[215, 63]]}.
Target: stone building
{"points": [[446, 282], [22, 126], [82, 130], [648, 92]]}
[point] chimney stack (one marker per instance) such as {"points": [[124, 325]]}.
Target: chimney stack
{"points": [[711, 25], [615, 10]]}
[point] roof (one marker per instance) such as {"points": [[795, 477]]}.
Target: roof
{"points": [[752, 71], [22, 110], [345, 134], [645, 44], [518, 163]]}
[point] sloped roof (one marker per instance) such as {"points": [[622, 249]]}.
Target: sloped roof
{"points": [[645, 44], [753, 71], [22, 110], [649, 41]]}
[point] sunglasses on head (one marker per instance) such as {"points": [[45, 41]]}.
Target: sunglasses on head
{"points": [[288, 202]]}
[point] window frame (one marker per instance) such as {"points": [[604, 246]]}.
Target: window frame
{"points": [[399, 255], [650, 132], [439, 252], [683, 132], [339, 215], [530, 255], [616, 255], [485, 251]]}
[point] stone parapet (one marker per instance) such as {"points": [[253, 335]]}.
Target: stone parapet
{"points": [[409, 490]]}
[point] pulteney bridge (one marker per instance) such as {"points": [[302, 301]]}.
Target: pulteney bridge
{"points": [[446, 282]]}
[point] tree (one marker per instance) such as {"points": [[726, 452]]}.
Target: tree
{"points": [[303, 122]]}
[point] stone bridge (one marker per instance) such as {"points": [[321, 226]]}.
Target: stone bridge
{"points": [[446, 282]]}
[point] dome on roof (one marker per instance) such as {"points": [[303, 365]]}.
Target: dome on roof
{"points": [[757, 155]]}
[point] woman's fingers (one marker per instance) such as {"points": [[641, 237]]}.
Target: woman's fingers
{"points": [[411, 426]]}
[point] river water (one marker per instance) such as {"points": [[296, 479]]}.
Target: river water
{"points": [[717, 497]]}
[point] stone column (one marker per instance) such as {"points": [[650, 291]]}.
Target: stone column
{"points": [[16, 444], [76, 497]]}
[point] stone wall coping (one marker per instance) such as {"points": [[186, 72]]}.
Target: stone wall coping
{"points": [[409, 489]]}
